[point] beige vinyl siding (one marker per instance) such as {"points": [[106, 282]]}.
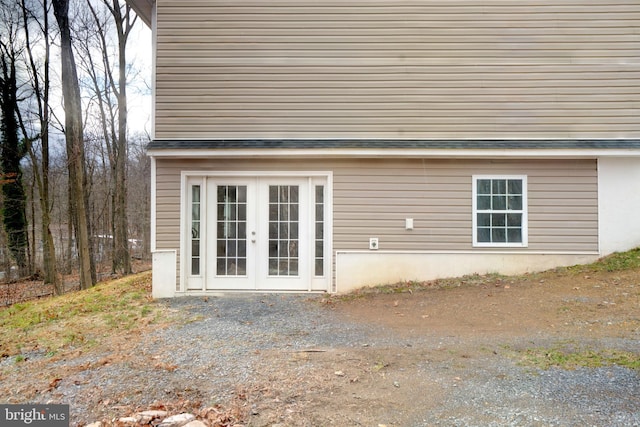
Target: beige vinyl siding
{"points": [[372, 198], [398, 69]]}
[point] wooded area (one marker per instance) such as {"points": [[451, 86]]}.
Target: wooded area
{"points": [[75, 179]]}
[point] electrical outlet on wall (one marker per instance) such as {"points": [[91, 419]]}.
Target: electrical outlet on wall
{"points": [[373, 243]]}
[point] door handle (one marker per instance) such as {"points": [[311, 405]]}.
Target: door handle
{"points": [[253, 237]]}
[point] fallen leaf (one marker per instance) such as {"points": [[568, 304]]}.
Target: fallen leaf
{"points": [[54, 383], [339, 373], [166, 366]]}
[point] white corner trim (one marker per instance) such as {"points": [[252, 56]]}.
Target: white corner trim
{"points": [[152, 212], [154, 62]]}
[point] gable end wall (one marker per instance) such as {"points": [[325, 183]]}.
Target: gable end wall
{"points": [[467, 69]]}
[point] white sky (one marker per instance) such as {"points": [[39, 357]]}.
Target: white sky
{"points": [[139, 91]]}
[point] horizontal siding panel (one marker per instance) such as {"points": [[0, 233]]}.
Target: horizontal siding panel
{"points": [[451, 73], [366, 40], [467, 132], [255, 31], [409, 207], [406, 69], [390, 50], [427, 216], [553, 203], [565, 231], [399, 234], [557, 195], [565, 247], [226, 94], [395, 219], [363, 187], [553, 239], [576, 218]]}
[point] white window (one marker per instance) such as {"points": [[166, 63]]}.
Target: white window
{"points": [[500, 211]]}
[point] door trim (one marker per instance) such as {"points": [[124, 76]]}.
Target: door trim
{"points": [[316, 284]]}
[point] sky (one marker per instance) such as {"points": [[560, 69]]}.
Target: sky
{"points": [[139, 92]]}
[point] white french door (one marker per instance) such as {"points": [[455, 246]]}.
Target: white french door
{"points": [[260, 234], [231, 234], [283, 244]]}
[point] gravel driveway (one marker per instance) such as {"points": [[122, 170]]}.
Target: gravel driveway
{"points": [[295, 361]]}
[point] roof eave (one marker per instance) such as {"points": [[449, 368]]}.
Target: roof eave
{"points": [[143, 9], [394, 153]]}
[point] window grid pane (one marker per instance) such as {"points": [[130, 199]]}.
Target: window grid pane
{"points": [[499, 211], [231, 247], [319, 231], [195, 230], [283, 230]]}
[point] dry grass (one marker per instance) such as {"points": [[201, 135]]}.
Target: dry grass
{"points": [[79, 319]]}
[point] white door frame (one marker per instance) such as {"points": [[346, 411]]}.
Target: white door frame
{"points": [[321, 283]]}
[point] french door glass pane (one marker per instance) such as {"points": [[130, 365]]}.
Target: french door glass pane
{"points": [[319, 231], [195, 230], [283, 230], [231, 247]]}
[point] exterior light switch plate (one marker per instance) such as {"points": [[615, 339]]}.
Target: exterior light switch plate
{"points": [[373, 243]]}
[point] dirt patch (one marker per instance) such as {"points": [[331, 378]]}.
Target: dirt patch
{"points": [[450, 337], [593, 305], [453, 353]]}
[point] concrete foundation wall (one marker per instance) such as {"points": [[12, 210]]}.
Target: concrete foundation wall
{"points": [[359, 269]]}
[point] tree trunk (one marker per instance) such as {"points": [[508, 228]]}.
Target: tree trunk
{"points": [[121, 255], [74, 144], [48, 246], [14, 214], [41, 176]]}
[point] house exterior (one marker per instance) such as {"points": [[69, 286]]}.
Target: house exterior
{"points": [[327, 145]]}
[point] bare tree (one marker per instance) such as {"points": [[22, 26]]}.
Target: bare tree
{"points": [[12, 150], [124, 21], [41, 83], [139, 194], [74, 145]]}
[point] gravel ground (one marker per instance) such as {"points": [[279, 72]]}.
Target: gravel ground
{"points": [[237, 340]]}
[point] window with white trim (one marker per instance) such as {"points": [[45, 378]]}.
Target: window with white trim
{"points": [[500, 211]]}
